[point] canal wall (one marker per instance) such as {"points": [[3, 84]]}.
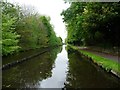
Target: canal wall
{"points": [[11, 64], [6, 66], [110, 71]]}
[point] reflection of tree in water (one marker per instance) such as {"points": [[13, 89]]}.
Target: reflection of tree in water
{"points": [[69, 49], [54, 52], [30, 73], [83, 74], [73, 75]]}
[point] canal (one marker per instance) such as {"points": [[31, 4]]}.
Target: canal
{"points": [[60, 67]]}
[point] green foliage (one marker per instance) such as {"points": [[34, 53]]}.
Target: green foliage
{"points": [[32, 31], [104, 62], [24, 29], [36, 31], [9, 36], [92, 23], [53, 39]]}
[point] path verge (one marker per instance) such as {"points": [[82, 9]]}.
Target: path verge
{"points": [[105, 63]]}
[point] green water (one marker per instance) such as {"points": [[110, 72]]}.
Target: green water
{"points": [[58, 68]]}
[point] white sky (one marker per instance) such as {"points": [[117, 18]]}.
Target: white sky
{"points": [[51, 8]]}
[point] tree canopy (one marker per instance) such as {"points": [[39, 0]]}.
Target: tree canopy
{"points": [[93, 23], [23, 29]]}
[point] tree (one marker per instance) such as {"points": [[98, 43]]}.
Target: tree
{"points": [[23, 29], [92, 23], [9, 36]]}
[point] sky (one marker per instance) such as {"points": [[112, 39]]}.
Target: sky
{"points": [[51, 8]]}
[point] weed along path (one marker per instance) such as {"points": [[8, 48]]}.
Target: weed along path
{"points": [[61, 67], [105, 55], [107, 62]]}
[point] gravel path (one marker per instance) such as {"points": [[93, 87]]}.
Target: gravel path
{"points": [[105, 55]]}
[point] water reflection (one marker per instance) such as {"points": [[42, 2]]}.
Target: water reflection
{"points": [[19, 55], [58, 73], [58, 68], [83, 74], [30, 73]]}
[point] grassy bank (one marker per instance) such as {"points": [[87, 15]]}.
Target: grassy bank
{"points": [[107, 64]]}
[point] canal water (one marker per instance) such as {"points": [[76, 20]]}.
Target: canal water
{"points": [[60, 67]]}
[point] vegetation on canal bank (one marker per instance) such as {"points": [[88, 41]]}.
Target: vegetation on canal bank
{"points": [[107, 64], [41, 67], [23, 29], [93, 24]]}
